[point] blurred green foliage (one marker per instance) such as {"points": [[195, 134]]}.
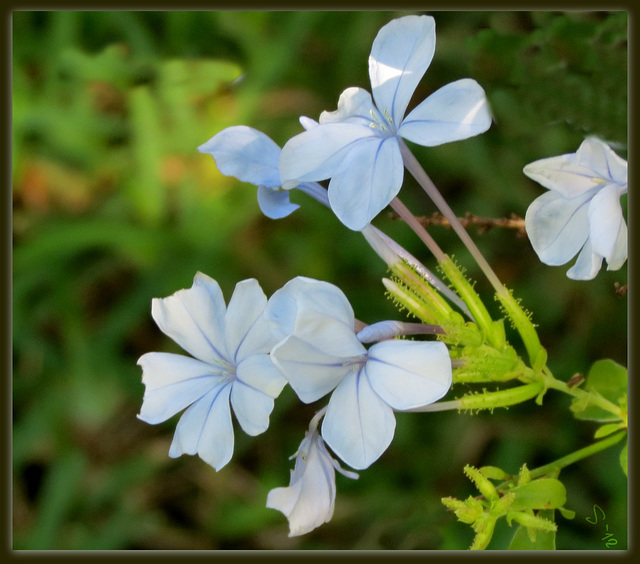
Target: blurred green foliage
{"points": [[113, 206]]}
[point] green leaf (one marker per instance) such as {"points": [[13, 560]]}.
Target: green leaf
{"points": [[542, 540], [606, 430], [146, 190], [623, 459], [60, 492], [609, 379], [546, 493]]}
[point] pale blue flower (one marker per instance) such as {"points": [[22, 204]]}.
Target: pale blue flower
{"points": [[309, 500], [251, 156], [358, 146], [582, 211], [230, 365], [321, 353]]}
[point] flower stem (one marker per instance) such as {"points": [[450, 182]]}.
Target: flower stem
{"points": [[418, 228], [590, 397], [416, 170], [557, 465], [519, 318], [406, 266], [438, 406], [383, 330]]}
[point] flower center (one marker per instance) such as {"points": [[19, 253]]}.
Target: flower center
{"points": [[356, 362], [225, 371], [382, 123]]}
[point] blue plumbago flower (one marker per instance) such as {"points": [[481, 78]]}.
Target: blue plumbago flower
{"points": [[251, 156], [582, 211], [231, 365], [309, 500], [358, 146], [321, 353]]}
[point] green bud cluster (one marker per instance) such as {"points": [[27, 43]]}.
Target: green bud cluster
{"points": [[519, 500]]}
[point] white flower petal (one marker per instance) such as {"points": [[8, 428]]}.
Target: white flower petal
{"points": [[309, 500], [247, 331], [607, 228], [307, 122], [172, 382], [245, 153], [206, 429], [259, 372], [600, 158], [619, 255], [315, 311], [252, 408], [358, 425], [369, 177], [354, 106], [316, 154], [563, 174], [558, 227], [275, 203], [194, 319], [456, 111], [587, 266], [409, 374], [400, 55], [311, 372]]}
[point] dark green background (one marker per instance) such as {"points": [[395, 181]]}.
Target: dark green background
{"points": [[113, 206]]}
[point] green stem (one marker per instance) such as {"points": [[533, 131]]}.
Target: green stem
{"points": [[592, 398], [577, 455]]}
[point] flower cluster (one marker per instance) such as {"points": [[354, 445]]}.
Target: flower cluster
{"points": [[242, 355]]}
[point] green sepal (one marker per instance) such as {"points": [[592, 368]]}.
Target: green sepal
{"points": [[485, 487], [498, 334], [487, 364], [524, 476], [468, 511], [494, 473], [501, 398], [542, 540], [531, 521]]}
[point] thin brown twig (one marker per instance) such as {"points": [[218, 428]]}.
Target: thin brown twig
{"points": [[481, 223]]}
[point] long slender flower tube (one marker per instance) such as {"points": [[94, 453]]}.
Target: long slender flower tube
{"points": [[320, 353], [230, 367], [357, 146], [309, 500], [401, 262], [251, 156], [581, 212]]}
